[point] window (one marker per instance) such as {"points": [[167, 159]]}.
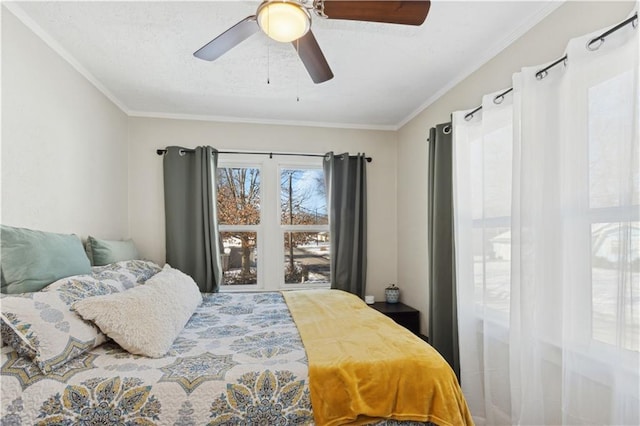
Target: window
{"points": [[239, 220], [614, 210], [273, 223], [491, 148], [305, 223]]}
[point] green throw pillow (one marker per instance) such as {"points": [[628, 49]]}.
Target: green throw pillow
{"points": [[104, 252], [31, 260]]}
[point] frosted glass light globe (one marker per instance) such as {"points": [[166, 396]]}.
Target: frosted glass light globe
{"points": [[283, 21]]}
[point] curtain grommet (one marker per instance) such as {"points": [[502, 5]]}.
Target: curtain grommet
{"points": [[597, 42]]}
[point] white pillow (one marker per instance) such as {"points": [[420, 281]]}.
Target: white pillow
{"points": [[146, 319]]}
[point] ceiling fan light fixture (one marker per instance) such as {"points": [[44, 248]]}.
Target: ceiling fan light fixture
{"points": [[283, 21]]}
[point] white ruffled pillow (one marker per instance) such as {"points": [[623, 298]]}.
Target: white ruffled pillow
{"points": [[146, 319]]}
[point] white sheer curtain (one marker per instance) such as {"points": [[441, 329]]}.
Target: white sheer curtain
{"points": [[547, 206]]}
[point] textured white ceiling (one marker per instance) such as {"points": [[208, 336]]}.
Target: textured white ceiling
{"points": [[141, 55]]}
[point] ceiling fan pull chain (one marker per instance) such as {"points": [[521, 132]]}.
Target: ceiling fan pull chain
{"points": [[298, 74], [268, 64]]}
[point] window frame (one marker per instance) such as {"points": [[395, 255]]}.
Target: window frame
{"points": [[297, 165], [622, 212], [258, 229], [270, 231]]}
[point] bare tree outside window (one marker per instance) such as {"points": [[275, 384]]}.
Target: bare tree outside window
{"points": [[239, 204]]}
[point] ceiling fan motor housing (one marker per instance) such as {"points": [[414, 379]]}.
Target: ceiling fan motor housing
{"points": [[282, 20]]}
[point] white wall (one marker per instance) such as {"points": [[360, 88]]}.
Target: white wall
{"points": [[542, 44], [146, 198], [64, 144]]}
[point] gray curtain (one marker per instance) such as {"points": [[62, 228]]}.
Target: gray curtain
{"points": [[346, 184], [443, 315], [192, 237]]}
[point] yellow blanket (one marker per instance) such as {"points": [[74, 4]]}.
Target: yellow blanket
{"points": [[364, 367]]}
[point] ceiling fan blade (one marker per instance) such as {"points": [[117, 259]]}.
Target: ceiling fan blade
{"points": [[313, 58], [228, 39], [410, 12]]}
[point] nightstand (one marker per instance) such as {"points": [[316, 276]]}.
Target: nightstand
{"points": [[404, 315]]}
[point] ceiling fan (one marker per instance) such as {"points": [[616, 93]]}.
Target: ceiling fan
{"points": [[290, 21]]}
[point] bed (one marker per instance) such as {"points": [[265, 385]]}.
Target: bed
{"points": [[301, 357]]}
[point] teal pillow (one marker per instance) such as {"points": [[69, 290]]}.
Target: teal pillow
{"points": [[31, 260], [104, 252]]}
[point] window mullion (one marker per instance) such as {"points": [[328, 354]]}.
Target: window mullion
{"points": [[304, 228], [270, 256]]}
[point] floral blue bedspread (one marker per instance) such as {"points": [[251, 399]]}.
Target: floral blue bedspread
{"points": [[239, 360]]}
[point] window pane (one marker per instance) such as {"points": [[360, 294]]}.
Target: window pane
{"points": [[614, 170], [492, 267], [491, 168], [306, 257], [238, 196], [302, 197], [615, 251], [239, 257], [497, 161]]}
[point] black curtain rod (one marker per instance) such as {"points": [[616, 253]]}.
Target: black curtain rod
{"points": [[633, 20], [499, 98], [469, 115], [543, 72], [270, 154]]}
